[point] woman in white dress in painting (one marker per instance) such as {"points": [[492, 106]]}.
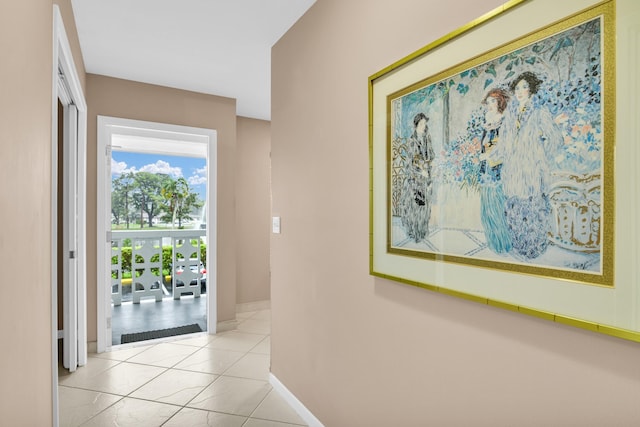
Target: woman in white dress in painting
{"points": [[529, 141]]}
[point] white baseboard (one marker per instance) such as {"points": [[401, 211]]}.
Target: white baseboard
{"points": [[253, 306], [293, 401], [226, 325]]}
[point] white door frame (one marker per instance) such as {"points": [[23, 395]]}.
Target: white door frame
{"points": [[66, 87], [127, 129]]}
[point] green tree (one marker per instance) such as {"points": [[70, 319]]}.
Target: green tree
{"points": [[147, 195], [121, 197], [188, 206], [180, 201], [174, 192]]}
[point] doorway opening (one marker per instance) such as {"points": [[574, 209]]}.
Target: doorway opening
{"points": [[156, 231]]}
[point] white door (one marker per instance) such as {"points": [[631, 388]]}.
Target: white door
{"points": [[70, 238], [108, 248], [105, 251]]}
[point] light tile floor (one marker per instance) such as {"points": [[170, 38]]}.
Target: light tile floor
{"points": [[200, 380]]}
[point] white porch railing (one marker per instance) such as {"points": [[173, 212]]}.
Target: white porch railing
{"points": [[148, 280]]}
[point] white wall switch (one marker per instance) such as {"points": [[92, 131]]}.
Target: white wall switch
{"points": [[276, 224]]}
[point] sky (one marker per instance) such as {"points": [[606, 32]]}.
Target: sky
{"points": [[193, 169]]}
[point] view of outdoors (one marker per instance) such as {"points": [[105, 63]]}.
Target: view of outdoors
{"points": [[159, 226], [155, 191]]}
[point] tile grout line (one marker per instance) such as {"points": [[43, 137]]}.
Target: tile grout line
{"points": [[173, 368], [218, 377], [128, 395]]}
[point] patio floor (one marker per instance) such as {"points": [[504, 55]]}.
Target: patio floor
{"points": [[150, 315]]}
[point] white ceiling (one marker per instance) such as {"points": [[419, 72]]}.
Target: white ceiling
{"points": [[219, 47]]}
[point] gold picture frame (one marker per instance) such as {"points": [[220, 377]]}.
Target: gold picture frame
{"points": [[466, 207]]}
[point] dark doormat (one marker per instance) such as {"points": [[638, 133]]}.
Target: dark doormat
{"points": [[160, 333]]}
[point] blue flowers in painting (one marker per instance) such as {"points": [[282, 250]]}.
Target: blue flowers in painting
{"points": [[572, 93]]}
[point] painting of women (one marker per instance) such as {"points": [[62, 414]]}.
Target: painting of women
{"points": [[492, 198], [517, 181], [529, 140], [416, 191]]}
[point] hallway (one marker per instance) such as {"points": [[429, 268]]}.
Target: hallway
{"points": [[217, 380]]}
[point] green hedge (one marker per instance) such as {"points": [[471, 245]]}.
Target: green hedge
{"points": [[166, 259]]}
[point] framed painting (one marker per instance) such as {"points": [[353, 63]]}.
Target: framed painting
{"points": [[493, 171]]}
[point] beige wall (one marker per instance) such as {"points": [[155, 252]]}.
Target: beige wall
{"points": [[253, 207], [25, 129], [25, 134], [363, 351], [138, 101]]}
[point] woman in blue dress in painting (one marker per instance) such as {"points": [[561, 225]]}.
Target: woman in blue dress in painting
{"points": [[492, 198], [529, 141], [416, 191]]}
